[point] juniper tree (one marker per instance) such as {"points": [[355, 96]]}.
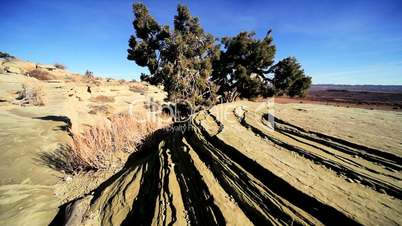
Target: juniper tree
{"points": [[146, 45], [189, 64], [243, 66], [289, 78], [179, 59], [299, 87]]}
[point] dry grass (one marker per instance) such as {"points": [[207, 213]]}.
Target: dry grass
{"points": [[103, 109], [71, 78], [137, 87], [30, 96], [152, 105], [95, 148], [90, 78], [40, 74], [102, 99]]}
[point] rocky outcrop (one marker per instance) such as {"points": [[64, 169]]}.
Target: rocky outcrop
{"points": [[16, 66], [241, 165], [32, 137], [48, 67], [12, 68]]}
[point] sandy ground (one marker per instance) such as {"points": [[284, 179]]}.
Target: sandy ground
{"points": [[242, 163], [30, 190]]}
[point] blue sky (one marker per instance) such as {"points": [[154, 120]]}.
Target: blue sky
{"points": [[341, 42]]}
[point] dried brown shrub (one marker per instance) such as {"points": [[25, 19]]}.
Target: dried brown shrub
{"points": [[102, 99], [90, 78], [137, 87], [71, 78], [40, 74], [95, 148], [30, 96], [152, 105], [89, 74], [103, 109]]}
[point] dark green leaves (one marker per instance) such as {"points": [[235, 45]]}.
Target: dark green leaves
{"points": [[289, 78], [242, 65], [191, 66], [180, 60]]}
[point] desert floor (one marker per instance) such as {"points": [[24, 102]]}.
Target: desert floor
{"points": [[241, 163]]}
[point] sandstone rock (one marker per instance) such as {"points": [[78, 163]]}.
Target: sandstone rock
{"points": [[233, 168], [16, 66], [48, 67], [10, 67], [25, 65]]}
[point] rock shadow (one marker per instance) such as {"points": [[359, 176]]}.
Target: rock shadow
{"points": [[59, 160], [58, 118]]}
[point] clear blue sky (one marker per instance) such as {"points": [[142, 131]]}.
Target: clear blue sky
{"points": [[342, 42]]}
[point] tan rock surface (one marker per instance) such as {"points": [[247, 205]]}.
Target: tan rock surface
{"points": [[246, 163], [30, 190]]}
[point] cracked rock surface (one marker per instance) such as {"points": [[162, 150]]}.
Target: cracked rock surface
{"points": [[247, 164]]}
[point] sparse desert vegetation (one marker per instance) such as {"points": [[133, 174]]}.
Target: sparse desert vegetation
{"points": [[229, 124], [30, 95], [40, 74], [102, 99], [98, 147], [68, 137], [104, 109], [137, 87], [89, 74]]}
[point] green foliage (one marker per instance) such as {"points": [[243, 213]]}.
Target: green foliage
{"points": [[6, 56], [289, 78], [190, 65], [240, 72], [179, 59], [299, 87], [146, 45]]}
